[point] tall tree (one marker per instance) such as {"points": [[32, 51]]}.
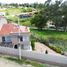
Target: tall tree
{"points": [[39, 20], [64, 15], [55, 13]]}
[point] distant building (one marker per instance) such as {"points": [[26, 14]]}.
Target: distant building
{"points": [[50, 24], [25, 15]]}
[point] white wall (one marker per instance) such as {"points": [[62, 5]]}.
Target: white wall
{"points": [[14, 40], [26, 41]]}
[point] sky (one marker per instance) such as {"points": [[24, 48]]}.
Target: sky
{"points": [[22, 1]]}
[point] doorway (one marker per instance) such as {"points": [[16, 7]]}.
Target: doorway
{"points": [[16, 46]]}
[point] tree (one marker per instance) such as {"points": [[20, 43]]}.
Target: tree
{"points": [[35, 5], [40, 19], [64, 16], [64, 22], [55, 13], [14, 5]]}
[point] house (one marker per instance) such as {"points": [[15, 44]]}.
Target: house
{"points": [[11, 34], [50, 24], [25, 15]]}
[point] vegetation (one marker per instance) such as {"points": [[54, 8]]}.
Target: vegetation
{"points": [[55, 48], [38, 20], [33, 44], [49, 34], [58, 39], [13, 11], [52, 12]]}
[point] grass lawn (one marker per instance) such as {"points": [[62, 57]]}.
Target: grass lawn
{"points": [[13, 11], [58, 38]]}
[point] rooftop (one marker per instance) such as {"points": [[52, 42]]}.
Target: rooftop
{"points": [[11, 28]]}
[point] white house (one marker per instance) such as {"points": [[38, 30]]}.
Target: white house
{"points": [[10, 37]]}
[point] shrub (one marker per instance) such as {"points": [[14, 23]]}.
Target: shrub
{"points": [[7, 13], [33, 44], [55, 48]]}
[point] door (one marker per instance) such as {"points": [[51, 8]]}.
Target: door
{"points": [[3, 39]]}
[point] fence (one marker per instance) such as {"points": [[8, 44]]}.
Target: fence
{"points": [[44, 58]]}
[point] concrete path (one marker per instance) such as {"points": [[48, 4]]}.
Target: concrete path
{"points": [[39, 47]]}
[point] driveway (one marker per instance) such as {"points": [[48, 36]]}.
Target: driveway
{"points": [[39, 47]]}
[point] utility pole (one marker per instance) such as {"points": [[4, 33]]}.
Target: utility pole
{"points": [[19, 39]]}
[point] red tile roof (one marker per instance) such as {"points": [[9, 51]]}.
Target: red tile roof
{"points": [[13, 28]]}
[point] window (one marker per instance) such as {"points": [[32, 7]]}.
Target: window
{"points": [[25, 38], [8, 39], [21, 38]]}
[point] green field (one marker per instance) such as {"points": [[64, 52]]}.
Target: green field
{"points": [[12, 11], [50, 33]]}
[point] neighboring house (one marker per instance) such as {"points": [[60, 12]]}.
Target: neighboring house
{"points": [[50, 24], [25, 15], [9, 36]]}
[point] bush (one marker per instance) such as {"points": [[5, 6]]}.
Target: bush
{"points": [[40, 39], [55, 48], [7, 13], [33, 44]]}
